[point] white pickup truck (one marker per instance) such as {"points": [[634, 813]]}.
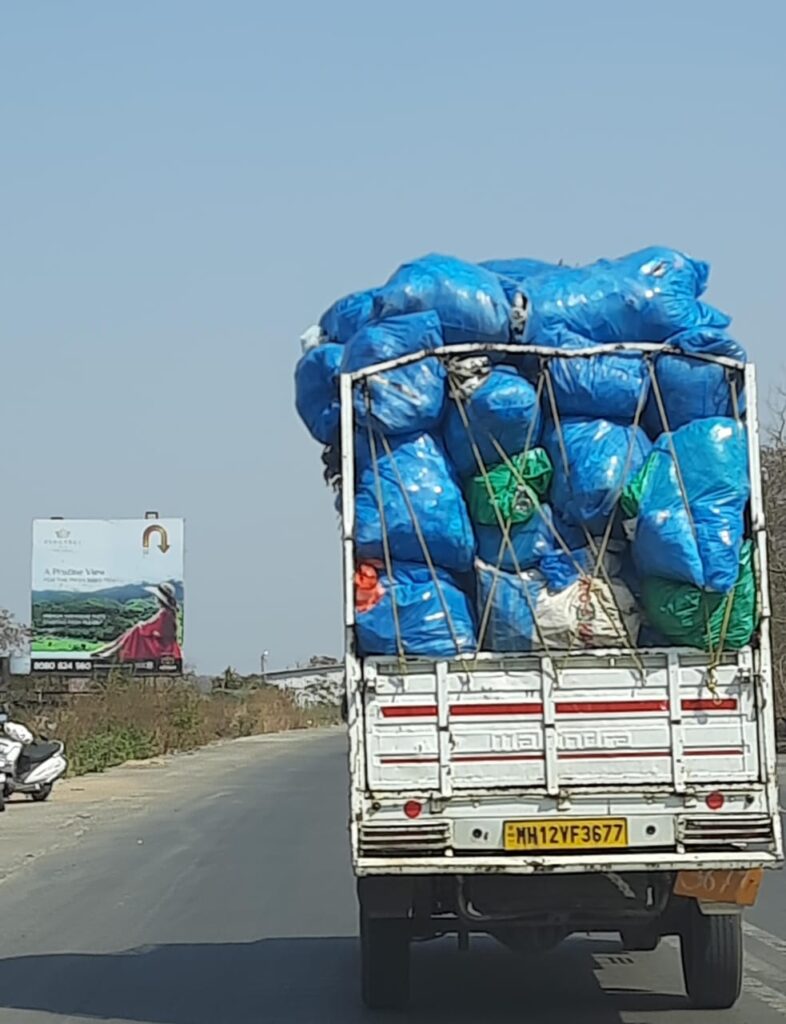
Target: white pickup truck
{"points": [[532, 796]]}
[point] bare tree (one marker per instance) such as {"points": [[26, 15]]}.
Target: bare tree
{"points": [[773, 461], [14, 636]]}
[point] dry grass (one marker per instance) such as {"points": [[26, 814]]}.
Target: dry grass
{"points": [[132, 720]]}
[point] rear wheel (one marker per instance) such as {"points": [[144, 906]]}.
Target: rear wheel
{"points": [[384, 950], [712, 958], [43, 793]]}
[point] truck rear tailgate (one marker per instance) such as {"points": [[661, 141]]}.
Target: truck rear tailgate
{"points": [[585, 719]]}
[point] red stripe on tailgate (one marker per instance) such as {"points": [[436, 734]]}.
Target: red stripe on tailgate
{"points": [[610, 707], [410, 711], [726, 704], [592, 707]]}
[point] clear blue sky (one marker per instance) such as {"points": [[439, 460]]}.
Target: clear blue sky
{"points": [[186, 184]]}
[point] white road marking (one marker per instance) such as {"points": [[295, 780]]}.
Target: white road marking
{"points": [[772, 998], [764, 937], [765, 969]]}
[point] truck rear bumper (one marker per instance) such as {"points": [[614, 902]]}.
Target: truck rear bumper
{"points": [[556, 864]]}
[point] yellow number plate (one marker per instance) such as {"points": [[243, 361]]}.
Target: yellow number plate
{"points": [[566, 834]]}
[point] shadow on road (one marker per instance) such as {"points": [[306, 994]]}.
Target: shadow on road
{"points": [[310, 980]]}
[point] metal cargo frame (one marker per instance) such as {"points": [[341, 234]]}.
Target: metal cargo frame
{"points": [[433, 855]]}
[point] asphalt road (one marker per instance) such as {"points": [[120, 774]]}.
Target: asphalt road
{"points": [[215, 889]]}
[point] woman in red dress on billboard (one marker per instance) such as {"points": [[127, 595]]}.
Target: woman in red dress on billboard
{"points": [[153, 639]]}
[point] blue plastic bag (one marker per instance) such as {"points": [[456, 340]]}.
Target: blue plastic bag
{"points": [[709, 340], [415, 470], [712, 455], [530, 541], [504, 409], [435, 617], [516, 275], [469, 300], [347, 316], [611, 384], [644, 297], [599, 453], [691, 389], [316, 391], [507, 601], [411, 398]]}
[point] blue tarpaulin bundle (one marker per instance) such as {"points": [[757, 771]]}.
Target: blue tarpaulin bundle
{"points": [[698, 542], [434, 616], [691, 389], [414, 477], [617, 385], [647, 296], [468, 299], [502, 414], [316, 391], [601, 457], [508, 601], [409, 398], [347, 316], [530, 542]]}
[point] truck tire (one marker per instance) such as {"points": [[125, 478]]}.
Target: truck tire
{"points": [[384, 952], [712, 958]]}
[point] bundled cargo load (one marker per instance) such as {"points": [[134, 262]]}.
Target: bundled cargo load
{"points": [[500, 418], [617, 385], [520, 613], [546, 457], [403, 400], [690, 617], [510, 492], [407, 494], [690, 388], [689, 502], [648, 296], [411, 611], [593, 461], [468, 299], [345, 317], [521, 545], [316, 391]]}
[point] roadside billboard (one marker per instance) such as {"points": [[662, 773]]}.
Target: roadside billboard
{"points": [[107, 593]]}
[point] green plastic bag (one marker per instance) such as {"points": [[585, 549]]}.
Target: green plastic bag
{"points": [[691, 617], [516, 489], [633, 492]]}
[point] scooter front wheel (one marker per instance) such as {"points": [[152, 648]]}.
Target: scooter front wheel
{"points": [[43, 793]]}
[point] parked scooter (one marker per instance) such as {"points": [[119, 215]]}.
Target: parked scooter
{"points": [[26, 765]]}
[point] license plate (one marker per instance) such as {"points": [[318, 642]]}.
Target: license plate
{"points": [[567, 834]]}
